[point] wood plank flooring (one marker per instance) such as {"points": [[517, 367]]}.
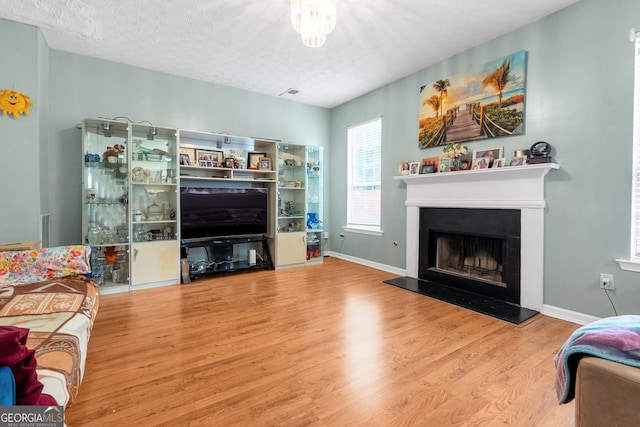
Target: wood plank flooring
{"points": [[326, 345]]}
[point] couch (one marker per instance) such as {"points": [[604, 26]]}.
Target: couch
{"points": [[47, 308], [607, 394], [599, 366]]}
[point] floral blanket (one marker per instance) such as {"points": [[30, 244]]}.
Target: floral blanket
{"points": [[613, 338], [44, 291], [42, 264]]}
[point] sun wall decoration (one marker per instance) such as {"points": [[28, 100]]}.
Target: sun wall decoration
{"points": [[14, 102]]}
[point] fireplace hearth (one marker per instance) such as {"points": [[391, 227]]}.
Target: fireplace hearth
{"points": [[482, 304]]}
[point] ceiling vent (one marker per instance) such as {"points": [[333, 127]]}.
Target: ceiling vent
{"points": [[290, 91]]}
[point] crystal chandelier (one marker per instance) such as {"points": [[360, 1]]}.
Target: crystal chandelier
{"points": [[313, 19]]}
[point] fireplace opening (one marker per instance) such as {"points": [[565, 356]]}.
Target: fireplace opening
{"points": [[477, 250], [474, 257]]}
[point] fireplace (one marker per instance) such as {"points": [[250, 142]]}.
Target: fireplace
{"points": [[476, 250], [519, 189]]}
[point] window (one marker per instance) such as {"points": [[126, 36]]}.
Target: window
{"points": [[364, 163], [633, 264]]}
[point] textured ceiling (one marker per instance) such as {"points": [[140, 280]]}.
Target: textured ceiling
{"points": [[251, 45]]}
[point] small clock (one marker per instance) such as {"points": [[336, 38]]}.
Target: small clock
{"points": [[540, 153]]}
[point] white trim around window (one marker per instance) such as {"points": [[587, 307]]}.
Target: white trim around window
{"points": [[363, 230], [633, 263]]}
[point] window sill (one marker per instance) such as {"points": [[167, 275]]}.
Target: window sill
{"points": [[629, 264], [368, 231]]}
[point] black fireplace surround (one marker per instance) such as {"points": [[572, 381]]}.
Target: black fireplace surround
{"points": [[499, 228]]}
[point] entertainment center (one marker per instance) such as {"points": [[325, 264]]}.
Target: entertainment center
{"points": [[163, 205]]}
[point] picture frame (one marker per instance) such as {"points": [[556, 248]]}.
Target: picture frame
{"points": [[264, 163], [498, 163], [404, 167], [187, 155], [427, 168], [465, 164], [205, 163], [414, 168], [518, 161], [482, 163], [253, 159], [492, 153], [472, 98], [431, 161], [524, 152], [444, 165], [210, 156]]}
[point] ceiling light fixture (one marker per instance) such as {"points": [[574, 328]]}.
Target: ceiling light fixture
{"points": [[313, 19]]}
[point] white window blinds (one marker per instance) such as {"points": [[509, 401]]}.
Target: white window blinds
{"points": [[364, 163], [633, 263], [635, 241]]}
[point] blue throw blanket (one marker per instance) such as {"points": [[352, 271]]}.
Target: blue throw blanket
{"points": [[613, 338]]}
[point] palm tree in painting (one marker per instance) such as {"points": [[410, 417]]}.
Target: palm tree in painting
{"points": [[433, 102], [441, 87], [499, 79]]}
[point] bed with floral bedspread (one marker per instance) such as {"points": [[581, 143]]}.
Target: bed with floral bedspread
{"points": [[46, 291]]}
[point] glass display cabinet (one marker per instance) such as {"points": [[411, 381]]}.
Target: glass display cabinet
{"points": [[291, 242], [105, 206], [155, 250], [130, 203], [314, 205], [300, 192]]}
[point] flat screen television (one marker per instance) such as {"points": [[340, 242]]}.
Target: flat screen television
{"points": [[222, 212]]}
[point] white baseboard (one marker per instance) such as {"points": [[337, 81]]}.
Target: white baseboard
{"points": [[155, 284], [368, 263], [568, 315], [106, 290], [547, 310]]}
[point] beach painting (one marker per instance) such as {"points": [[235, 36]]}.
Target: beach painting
{"points": [[480, 104]]}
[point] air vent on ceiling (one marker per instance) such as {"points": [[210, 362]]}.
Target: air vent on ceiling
{"points": [[290, 91]]}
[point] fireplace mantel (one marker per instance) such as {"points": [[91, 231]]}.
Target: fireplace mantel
{"points": [[518, 187], [508, 188]]}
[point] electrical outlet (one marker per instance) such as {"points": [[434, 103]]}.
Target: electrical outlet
{"points": [[606, 281]]}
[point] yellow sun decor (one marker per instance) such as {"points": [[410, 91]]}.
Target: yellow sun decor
{"points": [[14, 102]]}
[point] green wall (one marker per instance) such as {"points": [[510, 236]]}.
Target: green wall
{"points": [[579, 99], [20, 172]]}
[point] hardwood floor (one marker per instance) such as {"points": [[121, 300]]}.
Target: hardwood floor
{"points": [[326, 345]]}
